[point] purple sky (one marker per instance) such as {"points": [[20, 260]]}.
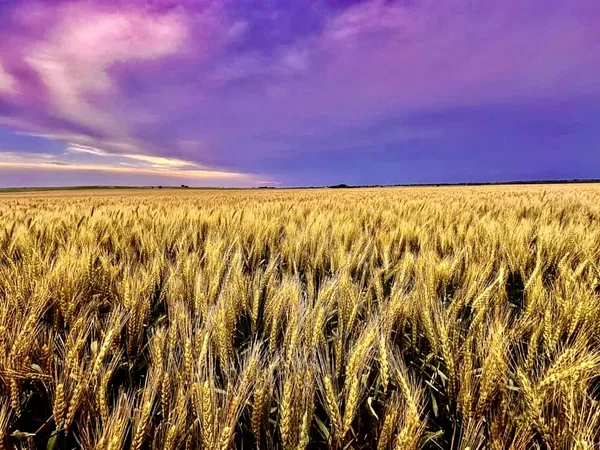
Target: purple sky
{"points": [[298, 92]]}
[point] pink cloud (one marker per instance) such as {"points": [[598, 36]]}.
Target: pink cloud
{"points": [[74, 58], [8, 84]]}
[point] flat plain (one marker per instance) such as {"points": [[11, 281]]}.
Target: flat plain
{"points": [[376, 318]]}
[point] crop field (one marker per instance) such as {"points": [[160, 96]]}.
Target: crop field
{"points": [[383, 318]]}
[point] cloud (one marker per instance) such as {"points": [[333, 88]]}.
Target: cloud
{"points": [[159, 161], [73, 62], [55, 136], [77, 175], [8, 84], [78, 148], [188, 174], [161, 167], [86, 159], [14, 156], [155, 161]]}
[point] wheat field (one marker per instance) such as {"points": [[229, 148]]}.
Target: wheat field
{"points": [[383, 318]]}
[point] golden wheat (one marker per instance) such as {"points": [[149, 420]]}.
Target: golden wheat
{"points": [[294, 319]]}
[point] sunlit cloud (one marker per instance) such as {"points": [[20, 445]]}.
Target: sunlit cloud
{"points": [[99, 161], [160, 172], [20, 157], [78, 148], [155, 161]]}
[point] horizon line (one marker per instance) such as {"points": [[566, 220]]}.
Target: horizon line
{"points": [[334, 186]]}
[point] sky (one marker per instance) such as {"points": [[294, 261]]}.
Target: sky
{"points": [[298, 92]]}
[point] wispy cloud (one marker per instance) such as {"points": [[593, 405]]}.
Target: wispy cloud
{"points": [[78, 148], [20, 157], [80, 158], [73, 61], [155, 161], [176, 174], [8, 84]]}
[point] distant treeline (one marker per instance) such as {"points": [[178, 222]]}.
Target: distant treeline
{"points": [[480, 183], [335, 186]]}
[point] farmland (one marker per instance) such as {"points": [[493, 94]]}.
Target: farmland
{"points": [[383, 318]]}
